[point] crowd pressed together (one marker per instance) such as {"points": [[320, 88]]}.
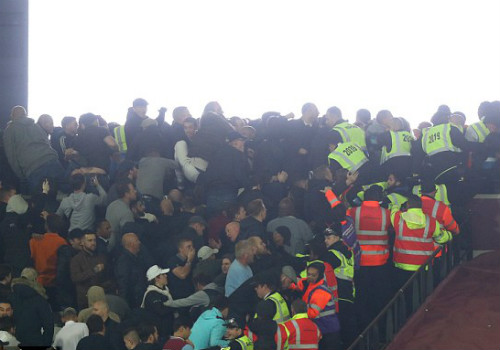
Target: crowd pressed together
{"points": [[224, 233]]}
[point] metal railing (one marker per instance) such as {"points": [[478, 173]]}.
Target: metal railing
{"points": [[382, 330]]}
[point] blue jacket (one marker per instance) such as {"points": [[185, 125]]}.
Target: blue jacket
{"points": [[208, 330]]}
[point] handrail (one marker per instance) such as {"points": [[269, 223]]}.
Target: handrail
{"points": [[380, 332]]}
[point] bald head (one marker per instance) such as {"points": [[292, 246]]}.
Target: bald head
{"points": [[131, 242], [47, 123], [17, 112], [309, 112], [101, 308]]}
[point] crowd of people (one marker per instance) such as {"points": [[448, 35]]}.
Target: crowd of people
{"points": [[226, 233]]}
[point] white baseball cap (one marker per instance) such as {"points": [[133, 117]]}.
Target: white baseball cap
{"points": [[154, 271], [206, 252]]}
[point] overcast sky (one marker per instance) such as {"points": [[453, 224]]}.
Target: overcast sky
{"points": [[254, 56]]}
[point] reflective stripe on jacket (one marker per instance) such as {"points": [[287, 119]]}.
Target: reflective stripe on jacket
{"points": [[245, 342], [349, 156], [351, 133], [480, 130], [441, 193], [413, 246], [121, 140], [282, 312], [372, 223], [437, 139], [400, 146], [304, 333]]}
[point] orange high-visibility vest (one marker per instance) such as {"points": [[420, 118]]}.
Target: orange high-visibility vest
{"points": [[280, 337], [441, 212], [412, 247], [371, 222], [304, 333]]}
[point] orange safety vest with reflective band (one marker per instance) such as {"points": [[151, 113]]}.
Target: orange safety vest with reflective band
{"points": [[441, 212], [413, 246], [304, 334], [371, 222], [280, 337], [332, 199]]}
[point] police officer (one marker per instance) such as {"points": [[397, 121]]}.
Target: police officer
{"points": [[342, 260], [238, 340]]}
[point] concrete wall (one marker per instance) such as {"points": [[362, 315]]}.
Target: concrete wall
{"points": [[13, 56]]}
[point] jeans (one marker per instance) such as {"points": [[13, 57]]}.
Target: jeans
{"points": [[54, 172]]}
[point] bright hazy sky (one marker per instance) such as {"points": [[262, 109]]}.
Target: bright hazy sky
{"points": [[254, 56]]}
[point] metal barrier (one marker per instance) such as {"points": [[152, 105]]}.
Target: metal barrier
{"points": [[381, 331]]}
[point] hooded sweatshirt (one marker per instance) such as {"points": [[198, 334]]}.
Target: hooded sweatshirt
{"points": [[33, 316], [199, 298], [96, 293], [27, 147], [79, 208], [208, 330]]}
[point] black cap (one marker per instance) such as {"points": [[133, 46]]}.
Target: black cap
{"points": [[330, 231], [232, 323], [234, 135]]}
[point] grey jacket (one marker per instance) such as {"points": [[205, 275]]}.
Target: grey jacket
{"points": [[200, 298], [118, 214], [26, 146], [79, 207]]}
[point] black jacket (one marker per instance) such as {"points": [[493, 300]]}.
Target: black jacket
{"points": [[229, 170], [160, 314], [316, 207], [250, 226], [66, 292], [14, 242], [130, 273], [32, 314], [210, 137], [93, 342]]}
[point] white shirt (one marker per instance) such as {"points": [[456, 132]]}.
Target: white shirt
{"points": [[69, 336], [6, 337]]}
